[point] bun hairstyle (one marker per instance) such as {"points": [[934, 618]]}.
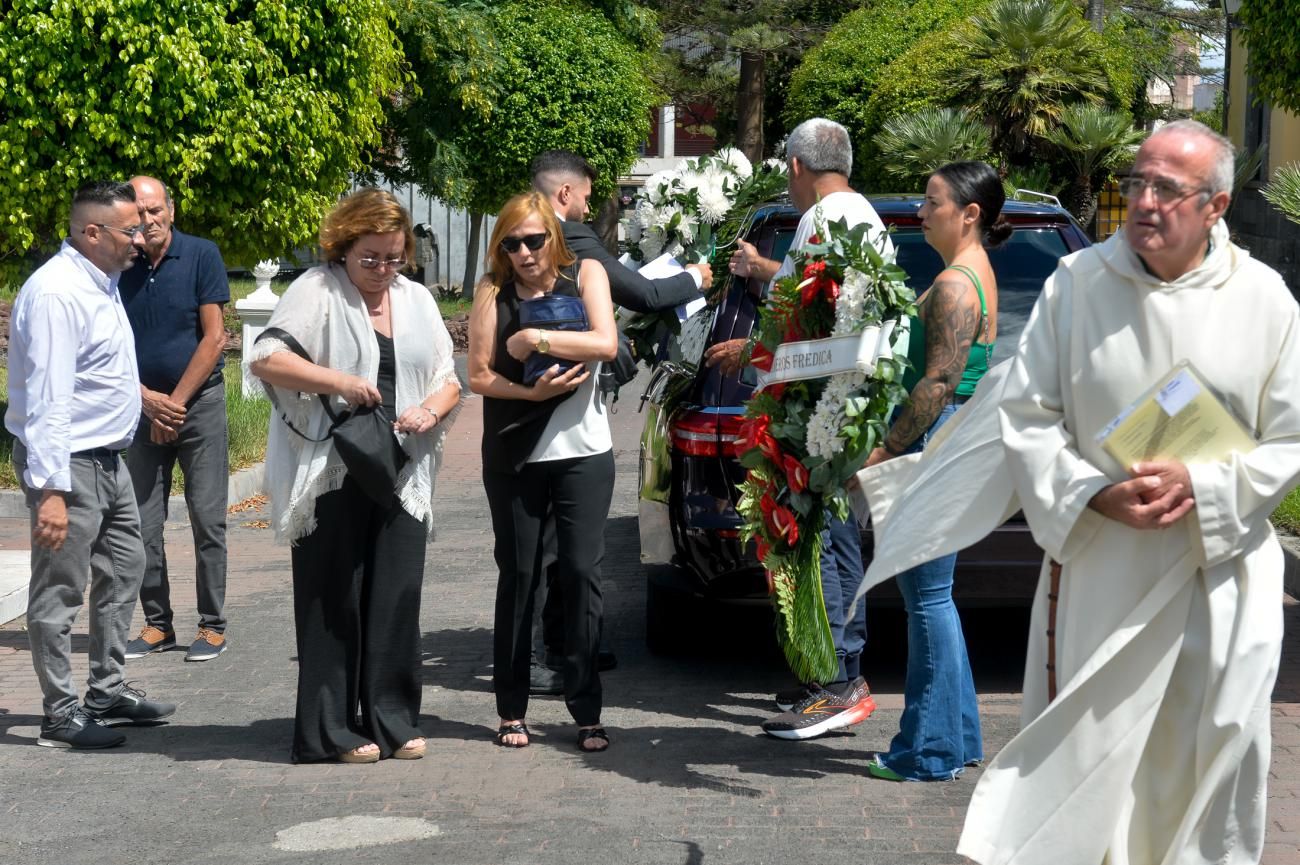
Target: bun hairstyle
{"points": [[978, 183]]}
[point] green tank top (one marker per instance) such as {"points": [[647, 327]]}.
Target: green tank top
{"points": [[981, 353]]}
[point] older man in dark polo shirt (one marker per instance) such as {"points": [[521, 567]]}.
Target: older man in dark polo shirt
{"points": [[173, 297]]}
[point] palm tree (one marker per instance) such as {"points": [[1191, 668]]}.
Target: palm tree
{"points": [[914, 145], [1093, 140], [1028, 60], [1283, 191]]}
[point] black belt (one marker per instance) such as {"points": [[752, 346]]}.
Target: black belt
{"points": [[98, 454]]}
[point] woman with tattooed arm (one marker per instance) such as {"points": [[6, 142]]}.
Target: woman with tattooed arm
{"points": [[950, 349]]}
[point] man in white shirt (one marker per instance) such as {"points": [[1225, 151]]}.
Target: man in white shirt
{"points": [[819, 159], [74, 402]]}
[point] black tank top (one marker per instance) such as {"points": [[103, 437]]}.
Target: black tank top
{"points": [[512, 427]]}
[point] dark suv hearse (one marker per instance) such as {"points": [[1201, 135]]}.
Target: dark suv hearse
{"points": [[689, 472]]}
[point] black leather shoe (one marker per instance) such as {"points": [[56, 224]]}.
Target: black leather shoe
{"points": [[542, 680]]}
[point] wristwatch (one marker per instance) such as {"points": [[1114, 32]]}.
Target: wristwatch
{"points": [[543, 344]]}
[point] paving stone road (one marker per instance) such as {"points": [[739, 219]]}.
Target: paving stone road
{"points": [[688, 779]]}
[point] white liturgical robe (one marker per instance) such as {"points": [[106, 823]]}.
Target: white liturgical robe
{"points": [[1155, 750]]}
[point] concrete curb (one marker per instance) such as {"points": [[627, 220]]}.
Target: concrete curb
{"points": [[15, 565], [1291, 568], [243, 483]]}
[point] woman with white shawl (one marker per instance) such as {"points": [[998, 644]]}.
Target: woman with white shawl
{"points": [[373, 338]]}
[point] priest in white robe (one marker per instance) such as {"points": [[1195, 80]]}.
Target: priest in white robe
{"points": [[1168, 629]]}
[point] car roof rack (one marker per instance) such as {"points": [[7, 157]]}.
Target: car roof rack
{"points": [[1043, 195]]}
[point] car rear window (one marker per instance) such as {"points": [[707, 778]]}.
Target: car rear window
{"points": [[1021, 265]]}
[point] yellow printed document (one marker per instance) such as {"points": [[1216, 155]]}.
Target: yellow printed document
{"points": [[1180, 418]]}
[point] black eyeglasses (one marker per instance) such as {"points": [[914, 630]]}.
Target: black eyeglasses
{"points": [[129, 232], [532, 241], [374, 263]]}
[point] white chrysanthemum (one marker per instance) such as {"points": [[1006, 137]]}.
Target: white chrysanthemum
{"points": [[664, 215], [690, 179], [775, 164], [659, 186], [714, 204], [675, 249], [686, 231], [738, 162]]}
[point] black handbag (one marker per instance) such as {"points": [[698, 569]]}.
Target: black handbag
{"points": [[621, 370], [363, 437], [551, 312]]}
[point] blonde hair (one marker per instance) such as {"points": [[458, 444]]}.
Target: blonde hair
{"points": [[515, 211], [366, 211]]}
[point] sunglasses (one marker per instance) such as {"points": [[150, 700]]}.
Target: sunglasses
{"points": [[532, 241]]}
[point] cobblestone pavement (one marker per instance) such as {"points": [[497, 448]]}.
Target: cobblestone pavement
{"points": [[688, 779]]}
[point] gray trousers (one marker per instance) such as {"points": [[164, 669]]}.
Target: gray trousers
{"points": [[201, 449], [103, 544]]}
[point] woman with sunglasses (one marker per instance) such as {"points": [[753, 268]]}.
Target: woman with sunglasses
{"points": [[547, 453], [373, 338]]}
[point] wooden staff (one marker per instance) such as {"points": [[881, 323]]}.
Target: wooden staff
{"points": [[1053, 595]]}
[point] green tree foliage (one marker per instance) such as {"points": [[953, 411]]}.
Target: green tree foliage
{"points": [[1274, 42], [496, 85], [456, 64], [1283, 191], [912, 146], [735, 56], [1213, 116], [1092, 140], [568, 80], [838, 77], [256, 113], [1028, 62]]}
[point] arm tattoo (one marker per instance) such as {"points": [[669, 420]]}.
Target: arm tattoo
{"points": [[952, 319]]}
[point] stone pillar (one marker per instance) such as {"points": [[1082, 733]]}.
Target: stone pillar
{"points": [[668, 132], [254, 312]]}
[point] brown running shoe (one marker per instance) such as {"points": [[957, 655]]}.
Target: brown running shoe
{"points": [[206, 646], [151, 640]]}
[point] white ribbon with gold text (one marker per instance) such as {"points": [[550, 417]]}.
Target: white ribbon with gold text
{"points": [[816, 358]]}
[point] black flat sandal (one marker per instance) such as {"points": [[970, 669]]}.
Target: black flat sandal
{"points": [[520, 729], [593, 733]]}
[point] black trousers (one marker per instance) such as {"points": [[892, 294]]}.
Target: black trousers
{"points": [[356, 598], [577, 493]]}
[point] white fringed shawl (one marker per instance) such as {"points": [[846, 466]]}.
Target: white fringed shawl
{"points": [[326, 314]]}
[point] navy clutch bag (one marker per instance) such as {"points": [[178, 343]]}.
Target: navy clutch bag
{"points": [[551, 312]]}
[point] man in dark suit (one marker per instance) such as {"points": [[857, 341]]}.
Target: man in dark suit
{"points": [[565, 178]]}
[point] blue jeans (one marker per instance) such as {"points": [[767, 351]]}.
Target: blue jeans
{"points": [[841, 566], [939, 733]]}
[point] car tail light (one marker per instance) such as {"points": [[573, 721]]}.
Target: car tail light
{"points": [[729, 433], [706, 434]]}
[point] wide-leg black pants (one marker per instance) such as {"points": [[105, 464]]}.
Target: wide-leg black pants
{"points": [[356, 594], [578, 493]]}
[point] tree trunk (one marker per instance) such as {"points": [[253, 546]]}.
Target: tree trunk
{"points": [[1097, 14], [749, 106], [471, 255], [1084, 203], [606, 223]]}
